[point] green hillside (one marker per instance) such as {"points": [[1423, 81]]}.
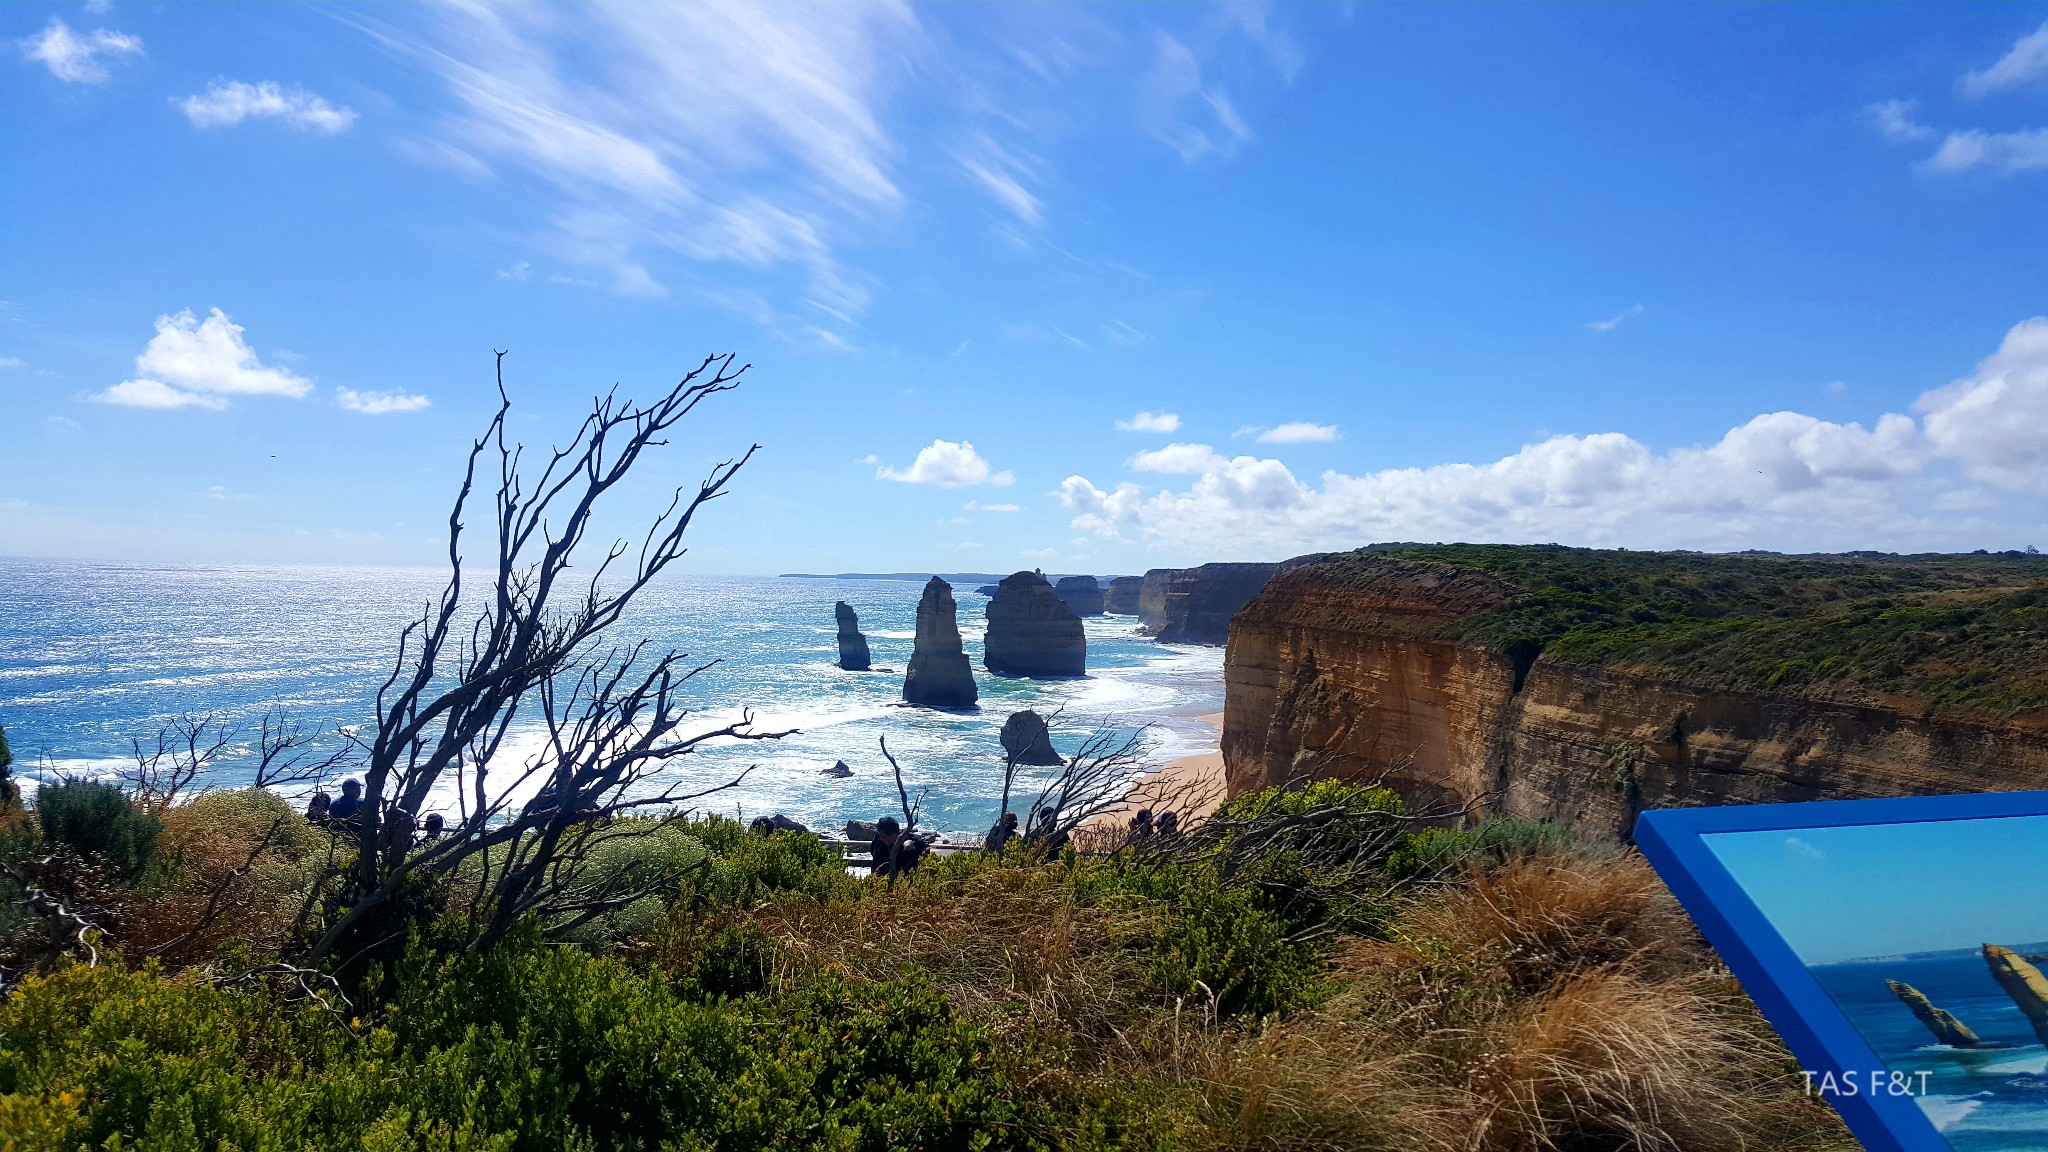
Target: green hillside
{"points": [[1955, 631]]}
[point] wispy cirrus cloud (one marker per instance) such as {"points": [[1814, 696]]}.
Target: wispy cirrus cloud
{"points": [[1616, 320], [195, 363], [228, 102], [380, 403], [2025, 63], [79, 57]]}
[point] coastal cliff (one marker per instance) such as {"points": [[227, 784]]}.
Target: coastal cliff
{"points": [[1584, 687], [1194, 605], [1031, 631], [1081, 594], [1120, 596]]}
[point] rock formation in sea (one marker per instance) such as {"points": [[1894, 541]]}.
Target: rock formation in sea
{"points": [[1081, 594], [1032, 632], [987, 589], [1363, 665], [1026, 739], [838, 769], [2023, 983], [853, 647], [939, 674], [1939, 1021], [1120, 595]]}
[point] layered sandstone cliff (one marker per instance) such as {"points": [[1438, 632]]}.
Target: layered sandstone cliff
{"points": [[1081, 594], [1120, 596], [1031, 631], [1350, 668]]}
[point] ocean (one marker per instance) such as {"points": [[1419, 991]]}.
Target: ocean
{"points": [[94, 656], [1983, 1100]]}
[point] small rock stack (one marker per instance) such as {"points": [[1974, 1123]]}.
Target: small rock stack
{"points": [[939, 674], [853, 647], [1031, 631], [1026, 740]]}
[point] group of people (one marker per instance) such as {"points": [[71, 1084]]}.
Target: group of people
{"points": [[345, 813], [1145, 827]]}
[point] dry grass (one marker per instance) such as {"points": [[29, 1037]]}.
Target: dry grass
{"points": [[210, 847], [1559, 1005]]}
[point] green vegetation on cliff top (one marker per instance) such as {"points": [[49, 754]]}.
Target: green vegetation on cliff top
{"points": [[1954, 631]]}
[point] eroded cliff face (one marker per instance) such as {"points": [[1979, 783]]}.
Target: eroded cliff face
{"points": [[1336, 672]]}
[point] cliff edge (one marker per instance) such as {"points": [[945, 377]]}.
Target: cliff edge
{"points": [[1585, 686]]}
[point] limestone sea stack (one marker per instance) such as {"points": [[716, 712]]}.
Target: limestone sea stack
{"points": [[939, 674], [2023, 982], [1946, 1028], [1120, 596], [853, 647], [1081, 594], [1026, 740], [1031, 631]]}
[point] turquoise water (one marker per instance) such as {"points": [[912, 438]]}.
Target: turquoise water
{"points": [[93, 656]]}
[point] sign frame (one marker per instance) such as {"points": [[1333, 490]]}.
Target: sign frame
{"points": [[1816, 1030]]}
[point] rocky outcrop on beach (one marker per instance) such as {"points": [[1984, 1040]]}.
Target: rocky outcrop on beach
{"points": [[1120, 595], [1032, 632], [2023, 983], [853, 647], [939, 675], [1081, 594], [1027, 740], [1939, 1021]]}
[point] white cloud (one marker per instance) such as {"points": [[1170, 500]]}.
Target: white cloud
{"points": [[1161, 422], [2025, 63], [1000, 172], [1178, 460], [379, 403], [1783, 479], [193, 363], [79, 58], [1615, 321], [2002, 153], [62, 424], [1040, 553], [1194, 120], [969, 545], [1301, 432], [10, 363], [1894, 120], [227, 102], [948, 465], [155, 394], [1996, 420], [977, 506]]}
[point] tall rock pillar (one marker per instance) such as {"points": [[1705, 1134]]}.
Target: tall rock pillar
{"points": [[939, 674], [1032, 632], [853, 647]]}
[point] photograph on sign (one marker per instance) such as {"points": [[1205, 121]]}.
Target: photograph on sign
{"points": [[1931, 937]]}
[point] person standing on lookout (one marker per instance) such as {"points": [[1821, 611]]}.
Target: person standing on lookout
{"points": [[1005, 830], [893, 852], [347, 810]]}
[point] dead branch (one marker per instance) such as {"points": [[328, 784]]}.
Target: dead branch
{"points": [[286, 752], [183, 750]]}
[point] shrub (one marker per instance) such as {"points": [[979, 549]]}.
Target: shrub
{"points": [[96, 819], [1440, 852]]}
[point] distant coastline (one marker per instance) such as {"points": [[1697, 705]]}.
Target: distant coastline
{"points": [[948, 577]]}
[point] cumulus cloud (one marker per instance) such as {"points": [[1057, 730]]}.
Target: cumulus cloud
{"points": [[79, 57], [2025, 63], [1995, 421], [1782, 479], [1300, 432], [194, 363], [227, 102], [1162, 422], [948, 465], [379, 403]]}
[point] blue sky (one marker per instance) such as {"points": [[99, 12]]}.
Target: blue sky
{"points": [[1088, 288], [1885, 889]]}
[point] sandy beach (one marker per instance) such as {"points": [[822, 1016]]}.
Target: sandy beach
{"points": [[1191, 786]]}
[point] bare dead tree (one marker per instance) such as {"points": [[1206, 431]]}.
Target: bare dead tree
{"points": [[1094, 780], [535, 646], [911, 811], [288, 753], [182, 751]]}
